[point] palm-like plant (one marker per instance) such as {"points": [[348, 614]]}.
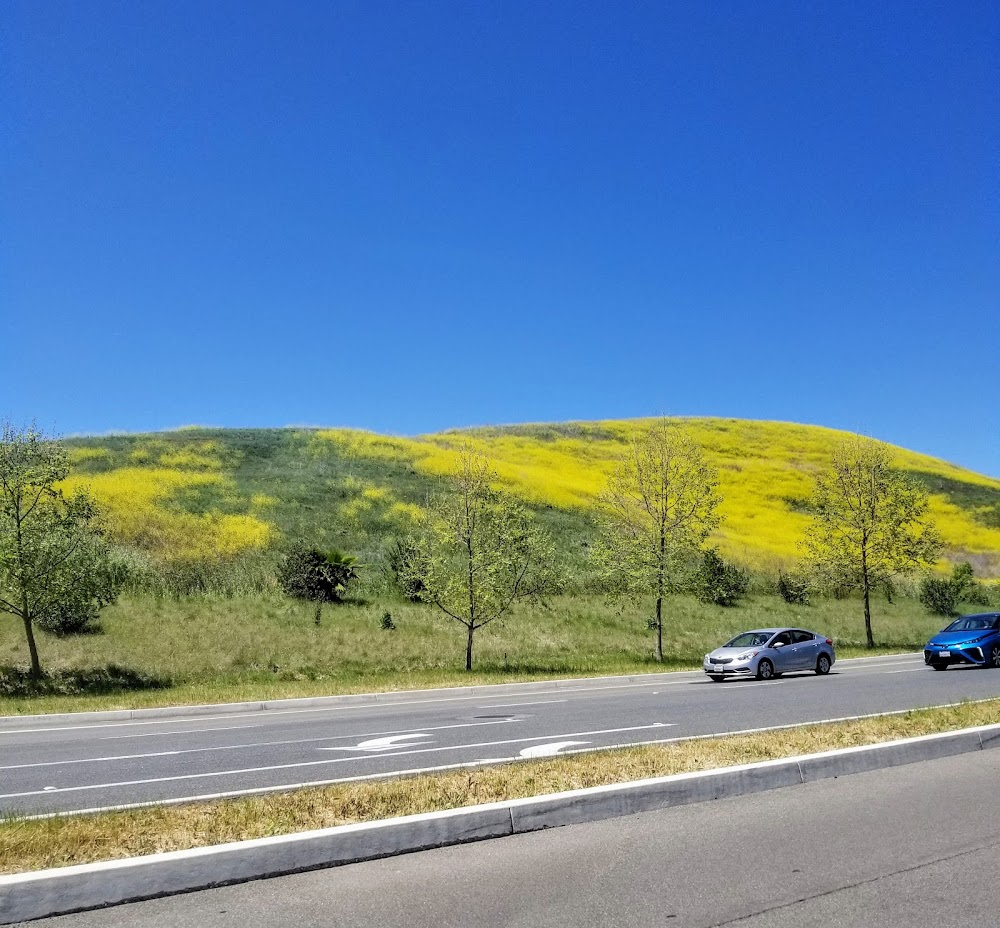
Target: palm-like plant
{"points": [[318, 576]]}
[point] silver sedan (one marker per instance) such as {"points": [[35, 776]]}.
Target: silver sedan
{"points": [[770, 652]]}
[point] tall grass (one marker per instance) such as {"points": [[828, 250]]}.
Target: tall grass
{"points": [[209, 648]]}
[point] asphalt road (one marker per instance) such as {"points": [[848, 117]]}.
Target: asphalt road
{"points": [[86, 765], [914, 846]]}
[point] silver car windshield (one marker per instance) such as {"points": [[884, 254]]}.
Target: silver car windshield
{"points": [[748, 640]]}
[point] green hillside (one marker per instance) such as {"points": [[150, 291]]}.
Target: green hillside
{"points": [[207, 493], [205, 513]]}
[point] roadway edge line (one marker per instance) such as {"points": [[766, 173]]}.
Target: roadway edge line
{"points": [[14, 722], [60, 891]]}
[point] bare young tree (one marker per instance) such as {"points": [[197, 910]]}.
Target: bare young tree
{"points": [[659, 505], [870, 522], [480, 552]]}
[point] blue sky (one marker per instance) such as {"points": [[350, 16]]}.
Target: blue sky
{"points": [[410, 216]]}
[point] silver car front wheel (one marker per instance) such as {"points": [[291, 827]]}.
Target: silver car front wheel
{"points": [[765, 670]]}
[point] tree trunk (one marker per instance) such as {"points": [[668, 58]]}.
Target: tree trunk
{"points": [[36, 667], [658, 653], [661, 568], [867, 589], [468, 648]]}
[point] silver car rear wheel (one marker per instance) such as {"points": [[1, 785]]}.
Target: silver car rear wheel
{"points": [[823, 665], [765, 670]]}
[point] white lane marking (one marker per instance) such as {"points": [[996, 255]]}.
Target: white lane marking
{"points": [[286, 787], [868, 667], [333, 760], [908, 670], [258, 744], [91, 760], [163, 734], [511, 705], [549, 750], [389, 774], [387, 744], [265, 714]]}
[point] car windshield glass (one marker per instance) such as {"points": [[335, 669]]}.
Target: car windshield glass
{"points": [[969, 623], [748, 640]]}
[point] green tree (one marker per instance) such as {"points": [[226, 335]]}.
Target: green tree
{"points": [[54, 567], [870, 522], [658, 508], [317, 576], [480, 551]]}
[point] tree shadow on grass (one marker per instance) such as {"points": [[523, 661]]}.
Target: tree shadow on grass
{"points": [[93, 681]]}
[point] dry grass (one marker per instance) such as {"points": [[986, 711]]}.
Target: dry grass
{"points": [[31, 845]]}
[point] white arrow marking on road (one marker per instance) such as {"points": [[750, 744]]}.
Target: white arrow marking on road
{"points": [[384, 744], [547, 750], [416, 749]]}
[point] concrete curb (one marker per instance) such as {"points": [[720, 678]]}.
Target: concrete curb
{"points": [[70, 889], [11, 722]]}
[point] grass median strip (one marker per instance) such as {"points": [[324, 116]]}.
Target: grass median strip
{"points": [[34, 844]]}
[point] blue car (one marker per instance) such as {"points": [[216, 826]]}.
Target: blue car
{"points": [[971, 639]]}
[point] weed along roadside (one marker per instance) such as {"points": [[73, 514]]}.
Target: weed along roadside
{"points": [[34, 844]]}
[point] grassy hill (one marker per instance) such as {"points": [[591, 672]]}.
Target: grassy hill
{"points": [[207, 510], [200, 493]]}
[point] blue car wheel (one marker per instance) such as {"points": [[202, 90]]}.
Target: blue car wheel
{"points": [[993, 657]]}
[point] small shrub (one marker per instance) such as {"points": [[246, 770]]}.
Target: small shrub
{"points": [[319, 577], [793, 590], [968, 589], [939, 596], [70, 618], [387, 624], [718, 582], [944, 596], [403, 568], [98, 576], [962, 580]]}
